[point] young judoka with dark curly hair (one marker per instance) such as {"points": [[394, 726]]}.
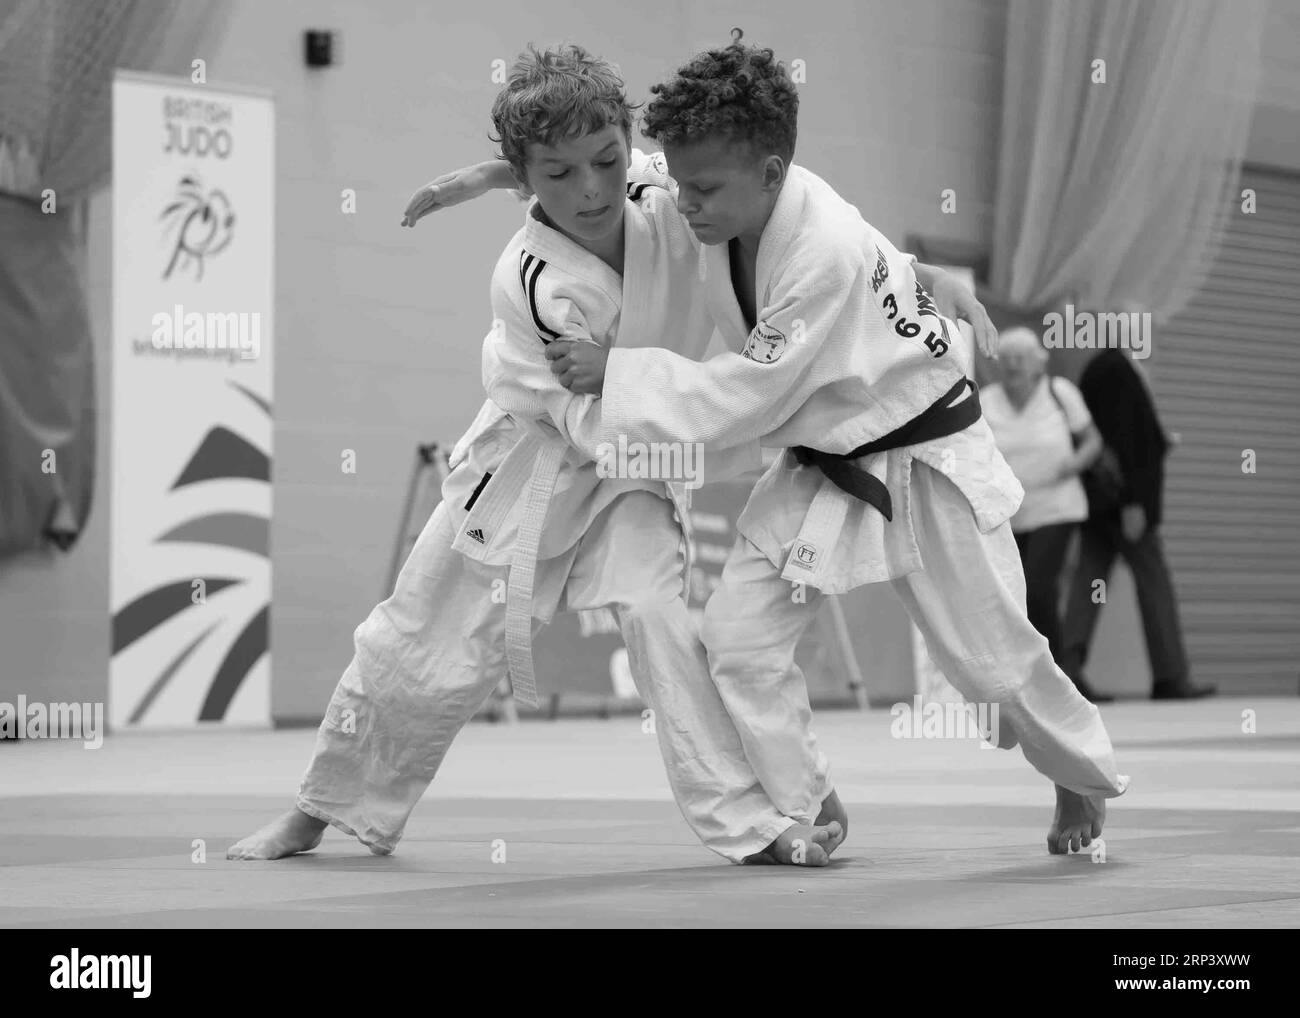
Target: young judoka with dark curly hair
{"points": [[837, 354]]}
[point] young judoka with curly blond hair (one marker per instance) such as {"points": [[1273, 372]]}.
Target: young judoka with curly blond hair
{"points": [[526, 516]]}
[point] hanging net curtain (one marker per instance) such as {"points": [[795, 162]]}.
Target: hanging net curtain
{"points": [[1124, 126], [57, 59]]}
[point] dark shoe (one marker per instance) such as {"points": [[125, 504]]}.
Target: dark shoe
{"points": [[1181, 691], [1090, 694]]}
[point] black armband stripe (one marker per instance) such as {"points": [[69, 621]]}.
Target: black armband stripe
{"points": [[529, 269]]}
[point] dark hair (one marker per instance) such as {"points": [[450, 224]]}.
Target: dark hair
{"points": [[554, 94], [740, 92]]}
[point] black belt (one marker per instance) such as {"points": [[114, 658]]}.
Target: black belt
{"points": [[940, 419]]}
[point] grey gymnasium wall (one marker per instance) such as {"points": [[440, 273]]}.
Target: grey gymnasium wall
{"points": [[378, 328]]}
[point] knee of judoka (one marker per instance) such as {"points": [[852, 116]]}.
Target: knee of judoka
{"points": [[721, 612], [728, 627], [745, 639], [383, 629]]}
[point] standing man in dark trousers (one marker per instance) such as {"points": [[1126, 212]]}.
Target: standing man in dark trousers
{"points": [[1125, 414]]}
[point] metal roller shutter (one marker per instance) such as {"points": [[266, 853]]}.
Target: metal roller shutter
{"points": [[1226, 374]]}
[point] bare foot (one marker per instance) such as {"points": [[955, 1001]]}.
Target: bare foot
{"points": [[800, 845], [833, 809], [288, 834], [1079, 819]]}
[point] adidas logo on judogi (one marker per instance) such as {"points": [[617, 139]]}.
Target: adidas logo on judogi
{"points": [[477, 534]]}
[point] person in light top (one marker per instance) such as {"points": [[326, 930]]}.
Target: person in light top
{"points": [[1047, 436]]}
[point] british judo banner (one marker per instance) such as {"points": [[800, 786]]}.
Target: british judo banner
{"points": [[193, 303]]}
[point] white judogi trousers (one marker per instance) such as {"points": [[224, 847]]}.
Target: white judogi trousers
{"points": [[969, 604], [429, 656]]}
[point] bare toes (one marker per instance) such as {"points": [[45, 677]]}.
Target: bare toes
{"points": [[816, 856]]}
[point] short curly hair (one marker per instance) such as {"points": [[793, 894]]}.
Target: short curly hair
{"points": [[556, 94], [739, 92]]}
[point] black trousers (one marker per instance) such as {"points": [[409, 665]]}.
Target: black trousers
{"points": [[1101, 540], [1042, 554]]}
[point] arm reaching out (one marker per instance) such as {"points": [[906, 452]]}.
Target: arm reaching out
{"points": [[459, 186], [471, 182]]}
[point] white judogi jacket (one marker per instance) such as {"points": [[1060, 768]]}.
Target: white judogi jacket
{"points": [[544, 493], [846, 349]]}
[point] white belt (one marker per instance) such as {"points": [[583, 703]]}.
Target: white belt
{"points": [[535, 462], [523, 570], [814, 545]]}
